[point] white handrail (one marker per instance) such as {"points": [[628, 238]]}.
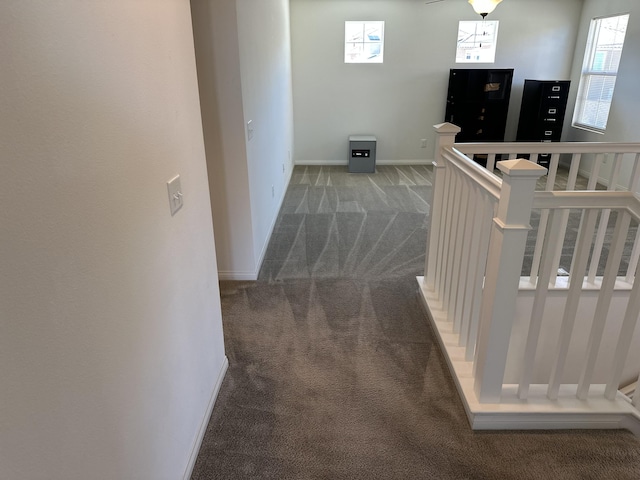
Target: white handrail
{"points": [[547, 147], [589, 199], [477, 174]]}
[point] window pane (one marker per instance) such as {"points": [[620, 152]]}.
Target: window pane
{"points": [[353, 32], [596, 101], [602, 58], [364, 42], [373, 32], [608, 43], [353, 52]]}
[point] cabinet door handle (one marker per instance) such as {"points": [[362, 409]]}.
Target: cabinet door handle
{"points": [[552, 111], [555, 89], [548, 133]]}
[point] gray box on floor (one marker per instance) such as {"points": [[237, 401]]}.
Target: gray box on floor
{"points": [[362, 154]]}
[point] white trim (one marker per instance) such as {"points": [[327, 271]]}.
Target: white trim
{"points": [[233, 275], [253, 275], [197, 442], [537, 412], [273, 225], [414, 161]]}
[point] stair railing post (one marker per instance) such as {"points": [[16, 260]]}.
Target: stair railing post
{"points": [[445, 137], [502, 276]]}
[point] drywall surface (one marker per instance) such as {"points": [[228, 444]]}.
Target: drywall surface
{"points": [[215, 29], [244, 70], [110, 328], [265, 64], [625, 104], [400, 100], [624, 115], [550, 333]]}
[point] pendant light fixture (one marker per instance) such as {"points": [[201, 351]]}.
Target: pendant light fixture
{"points": [[484, 7]]}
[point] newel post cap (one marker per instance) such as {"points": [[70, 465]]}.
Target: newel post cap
{"points": [[446, 127], [521, 168]]}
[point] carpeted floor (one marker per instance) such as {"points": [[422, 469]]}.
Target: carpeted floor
{"points": [[334, 372]]}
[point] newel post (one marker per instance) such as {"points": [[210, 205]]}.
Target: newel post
{"points": [[502, 276], [445, 137]]}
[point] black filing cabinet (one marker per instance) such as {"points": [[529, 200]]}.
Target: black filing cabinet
{"points": [[544, 103], [478, 102]]}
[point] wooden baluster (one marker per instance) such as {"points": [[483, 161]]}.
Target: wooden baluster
{"points": [[504, 263], [595, 171], [576, 278], [460, 268], [555, 236], [635, 175], [491, 162], [444, 232], [455, 240], [445, 137], [485, 219], [604, 302], [624, 340]]}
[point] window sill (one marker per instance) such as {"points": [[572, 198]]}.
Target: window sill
{"points": [[588, 129]]}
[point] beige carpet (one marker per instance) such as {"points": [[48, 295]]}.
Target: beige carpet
{"points": [[334, 372]]}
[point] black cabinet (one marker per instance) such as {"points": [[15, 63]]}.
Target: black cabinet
{"points": [[478, 102], [544, 103]]}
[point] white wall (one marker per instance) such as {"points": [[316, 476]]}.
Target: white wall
{"points": [[244, 70], [625, 105], [550, 333], [265, 63], [111, 342], [215, 29], [624, 116], [400, 100]]}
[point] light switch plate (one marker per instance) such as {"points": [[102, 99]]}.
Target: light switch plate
{"points": [[249, 130], [175, 194]]}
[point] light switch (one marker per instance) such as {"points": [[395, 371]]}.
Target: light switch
{"points": [[175, 194], [249, 130]]}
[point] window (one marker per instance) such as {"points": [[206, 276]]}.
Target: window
{"points": [[363, 42], [599, 70], [477, 42]]}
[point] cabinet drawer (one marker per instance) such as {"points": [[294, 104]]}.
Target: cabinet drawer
{"points": [[561, 89], [550, 111], [550, 133]]}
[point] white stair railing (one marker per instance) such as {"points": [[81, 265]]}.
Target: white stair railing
{"points": [[477, 239]]}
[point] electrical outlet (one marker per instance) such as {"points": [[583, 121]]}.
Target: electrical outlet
{"points": [[423, 143]]}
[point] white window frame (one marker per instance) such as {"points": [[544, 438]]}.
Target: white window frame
{"points": [[591, 71], [375, 47]]}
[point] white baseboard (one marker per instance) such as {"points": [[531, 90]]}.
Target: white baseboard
{"points": [[601, 180], [251, 276], [330, 163], [263, 251], [232, 275], [205, 421]]}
